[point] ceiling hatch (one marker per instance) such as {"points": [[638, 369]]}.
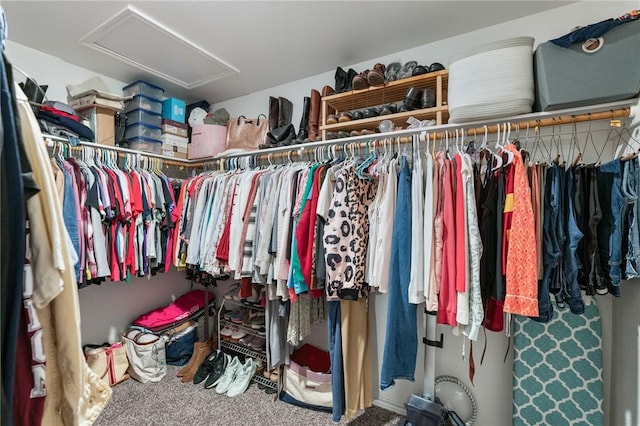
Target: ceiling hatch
{"points": [[138, 40]]}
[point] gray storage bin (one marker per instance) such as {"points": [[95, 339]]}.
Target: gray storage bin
{"points": [[569, 78]]}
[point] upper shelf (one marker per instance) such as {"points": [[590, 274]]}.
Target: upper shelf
{"points": [[389, 93]]}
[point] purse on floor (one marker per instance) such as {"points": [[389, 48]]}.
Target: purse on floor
{"points": [[247, 133], [109, 362], [179, 343], [147, 356]]}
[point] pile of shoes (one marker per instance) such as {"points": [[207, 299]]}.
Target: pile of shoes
{"points": [[227, 374], [380, 74]]}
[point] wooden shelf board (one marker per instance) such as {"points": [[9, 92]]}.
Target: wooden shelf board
{"points": [[391, 92], [399, 119]]}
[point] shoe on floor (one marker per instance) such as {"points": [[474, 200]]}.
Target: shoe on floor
{"points": [[216, 371], [243, 378], [204, 370], [229, 375]]}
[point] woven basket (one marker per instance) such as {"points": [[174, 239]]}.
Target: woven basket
{"points": [[492, 81]]}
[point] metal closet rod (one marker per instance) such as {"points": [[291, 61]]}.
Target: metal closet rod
{"points": [[540, 119], [165, 159]]}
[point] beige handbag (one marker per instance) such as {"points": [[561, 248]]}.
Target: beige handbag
{"points": [[147, 356], [307, 386], [109, 362], [247, 133]]}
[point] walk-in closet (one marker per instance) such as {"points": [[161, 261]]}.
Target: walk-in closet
{"points": [[284, 213]]}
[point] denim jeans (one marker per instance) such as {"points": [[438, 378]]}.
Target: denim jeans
{"points": [[630, 190], [401, 341], [610, 229], [550, 245], [334, 323], [70, 215], [570, 292]]}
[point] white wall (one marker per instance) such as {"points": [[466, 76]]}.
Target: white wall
{"points": [[108, 308], [52, 71]]}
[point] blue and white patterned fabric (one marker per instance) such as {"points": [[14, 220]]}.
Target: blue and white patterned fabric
{"points": [[557, 369]]}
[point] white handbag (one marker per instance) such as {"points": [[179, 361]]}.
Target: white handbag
{"points": [[147, 356], [307, 386]]}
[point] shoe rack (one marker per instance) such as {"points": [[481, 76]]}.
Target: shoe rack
{"points": [[392, 92], [237, 347]]}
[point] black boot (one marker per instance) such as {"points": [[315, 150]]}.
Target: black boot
{"points": [[341, 80], [350, 75], [285, 112], [274, 112], [303, 130]]}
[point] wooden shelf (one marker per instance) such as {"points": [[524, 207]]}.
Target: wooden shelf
{"points": [[399, 119], [389, 93]]}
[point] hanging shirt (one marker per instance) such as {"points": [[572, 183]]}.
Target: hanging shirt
{"points": [[522, 277]]}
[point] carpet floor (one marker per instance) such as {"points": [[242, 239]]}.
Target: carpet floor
{"points": [[171, 402]]}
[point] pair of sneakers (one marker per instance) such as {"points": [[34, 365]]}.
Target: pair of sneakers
{"points": [[237, 377], [212, 369]]}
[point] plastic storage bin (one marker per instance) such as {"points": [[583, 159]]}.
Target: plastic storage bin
{"points": [[140, 87], [144, 130], [173, 109], [146, 145], [143, 116], [143, 102]]}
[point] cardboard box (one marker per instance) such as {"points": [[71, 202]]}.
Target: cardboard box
{"points": [[207, 140], [102, 122], [174, 146], [175, 128]]}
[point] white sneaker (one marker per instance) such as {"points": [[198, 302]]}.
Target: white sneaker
{"points": [[229, 375], [243, 378]]}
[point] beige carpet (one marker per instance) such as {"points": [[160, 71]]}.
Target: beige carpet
{"points": [[171, 402]]}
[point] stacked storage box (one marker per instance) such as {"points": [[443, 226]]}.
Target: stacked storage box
{"points": [[144, 116], [174, 130]]}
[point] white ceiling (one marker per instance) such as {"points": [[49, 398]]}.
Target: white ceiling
{"points": [[242, 46]]}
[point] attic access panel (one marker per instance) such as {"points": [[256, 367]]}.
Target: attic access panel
{"points": [[138, 40]]}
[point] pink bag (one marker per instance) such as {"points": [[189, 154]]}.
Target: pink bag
{"points": [[182, 309]]}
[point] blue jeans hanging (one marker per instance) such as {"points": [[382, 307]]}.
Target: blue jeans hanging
{"points": [[401, 341]]}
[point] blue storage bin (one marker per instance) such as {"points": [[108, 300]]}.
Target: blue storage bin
{"points": [[143, 130], [173, 109], [140, 87], [143, 116], [143, 102], [145, 144]]}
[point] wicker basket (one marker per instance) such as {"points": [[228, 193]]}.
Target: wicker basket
{"points": [[492, 81]]}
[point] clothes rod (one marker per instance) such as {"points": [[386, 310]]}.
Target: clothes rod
{"points": [[165, 159], [542, 119]]}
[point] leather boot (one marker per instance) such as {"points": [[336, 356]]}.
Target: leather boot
{"points": [[200, 352], [274, 112], [350, 75], [328, 91], [303, 130], [187, 366], [285, 112], [314, 115], [341, 80]]}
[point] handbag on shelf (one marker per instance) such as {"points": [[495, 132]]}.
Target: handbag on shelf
{"points": [[147, 356], [109, 362], [247, 133]]}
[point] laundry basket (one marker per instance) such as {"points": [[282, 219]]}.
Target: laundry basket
{"points": [[491, 81]]}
